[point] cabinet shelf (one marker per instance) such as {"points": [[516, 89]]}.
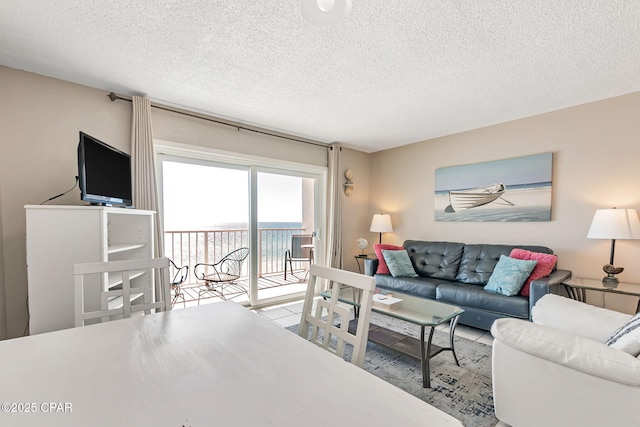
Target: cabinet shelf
{"points": [[117, 279], [117, 302], [124, 247]]}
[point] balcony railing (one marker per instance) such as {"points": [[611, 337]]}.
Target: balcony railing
{"points": [[190, 247]]}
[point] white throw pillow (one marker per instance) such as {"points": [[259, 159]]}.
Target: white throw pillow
{"points": [[627, 338]]}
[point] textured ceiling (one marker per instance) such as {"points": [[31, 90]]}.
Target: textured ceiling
{"points": [[392, 73]]}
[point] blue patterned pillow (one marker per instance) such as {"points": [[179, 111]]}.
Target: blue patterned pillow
{"points": [[509, 275], [399, 263], [627, 337]]}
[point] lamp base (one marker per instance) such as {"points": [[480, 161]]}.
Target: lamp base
{"points": [[610, 282]]}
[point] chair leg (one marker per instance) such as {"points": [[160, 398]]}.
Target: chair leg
{"points": [[211, 289], [291, 266], [178, 294]]}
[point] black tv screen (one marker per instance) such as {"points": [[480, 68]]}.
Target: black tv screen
{"points": [[104, 173]]}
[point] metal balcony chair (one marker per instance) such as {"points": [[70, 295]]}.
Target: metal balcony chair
{"points": [[221, 274], [301, 251], [180, 275]]}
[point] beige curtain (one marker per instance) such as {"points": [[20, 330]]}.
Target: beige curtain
{"points": [[145, 188], [334, 209]]}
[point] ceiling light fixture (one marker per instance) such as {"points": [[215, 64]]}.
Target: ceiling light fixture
{"points": [[325, 12]]}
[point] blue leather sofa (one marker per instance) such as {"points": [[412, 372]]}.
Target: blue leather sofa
{"points": [[456, 273]]}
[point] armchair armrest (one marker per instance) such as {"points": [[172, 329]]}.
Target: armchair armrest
{"points": [[576, 317], [567, 349], [546, 285], [370, 266]]}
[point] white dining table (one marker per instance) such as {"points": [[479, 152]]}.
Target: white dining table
{"points": [[214, 365]]}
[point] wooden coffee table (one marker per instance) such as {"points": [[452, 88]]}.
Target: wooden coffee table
{"points": [[419, 311]]}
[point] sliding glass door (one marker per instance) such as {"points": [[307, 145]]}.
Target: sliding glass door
{"points": [[213, 208], [286, 218]]}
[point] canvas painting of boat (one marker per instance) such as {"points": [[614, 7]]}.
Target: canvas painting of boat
{"points": [[511, 190], [472, 198]]}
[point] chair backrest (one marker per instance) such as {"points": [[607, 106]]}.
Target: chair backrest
{"points": [[231, 264], [179, 275], [297, 240], [327, 312], [119, 282]]}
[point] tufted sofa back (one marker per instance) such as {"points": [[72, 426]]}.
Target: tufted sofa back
{"points": [[478, 261], [439, 260], [472, 264]]}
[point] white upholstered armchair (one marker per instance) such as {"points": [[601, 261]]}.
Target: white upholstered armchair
{"points": [[558, 371]]}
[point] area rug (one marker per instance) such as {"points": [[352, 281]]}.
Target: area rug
{"points": [[463, 392]]}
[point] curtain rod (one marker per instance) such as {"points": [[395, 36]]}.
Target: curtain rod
{"points": [[113, 97]]}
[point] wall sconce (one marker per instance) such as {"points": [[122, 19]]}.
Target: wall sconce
{"points": [[614, 224], [381, 223], [348, 185]]}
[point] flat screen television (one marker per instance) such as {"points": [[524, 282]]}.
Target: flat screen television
{"points": [[104, 173]]}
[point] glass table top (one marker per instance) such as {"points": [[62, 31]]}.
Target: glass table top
{"points": [[421, 311], [597, 285]]}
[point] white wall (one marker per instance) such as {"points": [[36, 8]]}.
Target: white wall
{"points": [[40, 119], [595, 165], [356, 215]]}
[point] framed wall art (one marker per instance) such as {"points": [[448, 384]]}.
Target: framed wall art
{"points": [[517, 189]]}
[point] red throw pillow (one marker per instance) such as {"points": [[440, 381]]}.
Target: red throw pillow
{"points": [[543, 268], [382, 265]]}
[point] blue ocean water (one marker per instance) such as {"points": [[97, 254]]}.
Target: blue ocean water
{"points": [[244, 225]]}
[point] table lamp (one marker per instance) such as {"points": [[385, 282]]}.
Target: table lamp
{"points": [[614, 224], [381, 223]]}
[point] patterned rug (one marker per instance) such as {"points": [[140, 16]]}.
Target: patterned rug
{"points": [[464, 392]]}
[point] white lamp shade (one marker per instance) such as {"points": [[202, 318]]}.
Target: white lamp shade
{"points": [[615, 224], [381, 223], [325, 12]]}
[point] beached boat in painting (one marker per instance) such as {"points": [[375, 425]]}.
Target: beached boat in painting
{"points": [[466, 199]]}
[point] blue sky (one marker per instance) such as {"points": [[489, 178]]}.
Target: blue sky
{"points": [[519, 170]]}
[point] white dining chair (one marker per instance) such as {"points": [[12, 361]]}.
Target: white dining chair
{"points": [[117, 289], [328, 311]]}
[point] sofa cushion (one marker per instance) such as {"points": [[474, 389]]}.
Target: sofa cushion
{"points": [[418, 286], [382, 264], [466, 295], [439, 260], [544, 267], [509, 275], [478, 261], [399, 263]]}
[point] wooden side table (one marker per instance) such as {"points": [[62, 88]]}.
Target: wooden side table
{"points": [[577, 288], [362, 257]]}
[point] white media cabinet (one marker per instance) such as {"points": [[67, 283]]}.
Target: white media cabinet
{"points": [[59, 237]]}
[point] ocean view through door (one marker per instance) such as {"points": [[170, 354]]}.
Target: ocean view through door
{"points": [[286, 227], [212, 209]]}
